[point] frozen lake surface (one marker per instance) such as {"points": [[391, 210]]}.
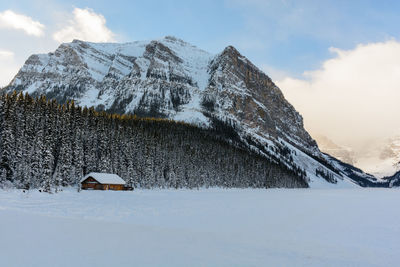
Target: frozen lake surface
{"points": [[207, 227]]}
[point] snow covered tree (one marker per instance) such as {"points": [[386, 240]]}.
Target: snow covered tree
{"points": [[47, 145]]}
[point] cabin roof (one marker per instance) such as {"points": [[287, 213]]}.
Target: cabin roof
{"points": [[104, 178]]}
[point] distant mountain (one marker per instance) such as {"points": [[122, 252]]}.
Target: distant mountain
{"points": [[377, 156], [170, 78], [328, 146], [390, 153]]}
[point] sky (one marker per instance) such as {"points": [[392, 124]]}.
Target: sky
{"points": [[337, 62]]}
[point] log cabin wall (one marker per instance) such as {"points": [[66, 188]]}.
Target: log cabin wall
{"points": [[116, 187], [89, 186], [90, 183]]}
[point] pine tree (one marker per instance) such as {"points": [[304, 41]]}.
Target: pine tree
{"points": [[47, 145]]}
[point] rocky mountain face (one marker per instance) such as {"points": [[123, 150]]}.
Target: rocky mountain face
{"points": [[172, 79]]}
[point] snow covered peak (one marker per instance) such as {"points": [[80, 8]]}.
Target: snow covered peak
{"points": [[174, 39], [231, 50], [171, 78]]}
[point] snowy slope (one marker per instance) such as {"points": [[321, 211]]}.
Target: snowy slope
{"points": [[212, 227], [174, 79]]}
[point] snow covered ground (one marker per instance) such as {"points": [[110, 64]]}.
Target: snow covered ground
{"points": [[213, 227]]}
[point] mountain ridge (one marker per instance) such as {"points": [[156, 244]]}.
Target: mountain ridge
{"points": [[173, 79]]}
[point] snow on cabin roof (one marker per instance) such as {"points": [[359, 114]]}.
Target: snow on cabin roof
{"points": [[104, 178]]}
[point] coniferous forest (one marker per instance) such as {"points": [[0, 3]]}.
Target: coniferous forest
{"points": [[47, 145]]}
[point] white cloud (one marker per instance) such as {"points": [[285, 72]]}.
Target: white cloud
{"points": [[12, 20], [6, 54], [81, 23], [85, 25], [354, 97]]}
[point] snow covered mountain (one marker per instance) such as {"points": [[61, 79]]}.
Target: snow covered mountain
{"points": [[389, 155], [173, 79], [328, 146]]}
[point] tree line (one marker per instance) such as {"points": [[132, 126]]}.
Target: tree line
{"points": [[47, 145]]}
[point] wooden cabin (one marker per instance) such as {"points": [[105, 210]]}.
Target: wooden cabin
{"points": [[103, 181]]}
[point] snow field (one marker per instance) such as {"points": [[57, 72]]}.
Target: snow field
{"points": [[207, 227]]}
